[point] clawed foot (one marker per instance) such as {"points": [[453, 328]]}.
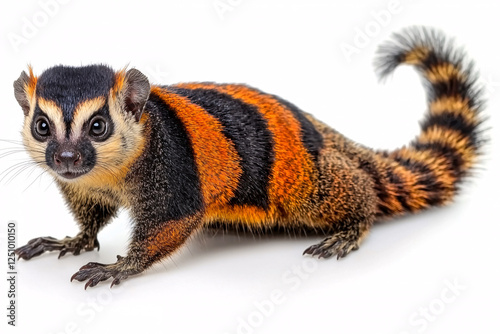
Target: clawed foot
{"points": [[339, 244], [40, 245], [97, 272]]}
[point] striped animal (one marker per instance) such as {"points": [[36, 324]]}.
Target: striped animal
{"points": [[192, 155]]}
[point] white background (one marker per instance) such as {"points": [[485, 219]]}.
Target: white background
{"points": [[216, 283]]}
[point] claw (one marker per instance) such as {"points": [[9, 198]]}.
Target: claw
{"points": [[97, 272], [87, 284], [116, 281], [73, 277], [325, 255], [340, 254], [317, 251], [308, 250], [337, 244], [79, 276], [61, 254], [37, 246]]}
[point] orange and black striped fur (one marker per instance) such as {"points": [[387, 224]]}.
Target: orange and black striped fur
{"points": [[192, 155]]}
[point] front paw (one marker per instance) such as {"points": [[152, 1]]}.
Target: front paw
{"points": [[40, 245], [97, 272]]}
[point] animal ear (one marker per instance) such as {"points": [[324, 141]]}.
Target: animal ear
{"points": [[21, 93], [136, 93]]}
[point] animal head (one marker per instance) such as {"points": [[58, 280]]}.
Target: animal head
{"points": [[83, 124]]}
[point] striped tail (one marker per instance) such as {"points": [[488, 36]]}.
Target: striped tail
{"points": [[429, 170]]}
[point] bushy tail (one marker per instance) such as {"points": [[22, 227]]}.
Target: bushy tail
{"points": [[428, 171]]}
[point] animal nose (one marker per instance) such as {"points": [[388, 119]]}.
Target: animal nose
{"points": [[68, 158]]}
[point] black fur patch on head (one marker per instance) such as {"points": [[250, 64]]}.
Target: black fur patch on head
{"points": [[67, 86]]}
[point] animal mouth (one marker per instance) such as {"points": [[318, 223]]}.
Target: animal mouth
{"points": [[70, 175]]}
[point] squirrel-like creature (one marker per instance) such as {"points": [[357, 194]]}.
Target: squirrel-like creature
{"points": [[187, 156]]}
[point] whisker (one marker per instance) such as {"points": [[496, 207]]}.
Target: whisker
{"points": [[10, 148], [39, 176], [18, 172], [31, 172], [6, 154], [21, 165], [15, 166], [11, 141], [51, 182]]}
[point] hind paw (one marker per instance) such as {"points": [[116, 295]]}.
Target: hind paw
{"points": [[339, 244]]}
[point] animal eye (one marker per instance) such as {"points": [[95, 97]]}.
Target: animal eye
{"points": [[42, 127], [98, 127]]}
